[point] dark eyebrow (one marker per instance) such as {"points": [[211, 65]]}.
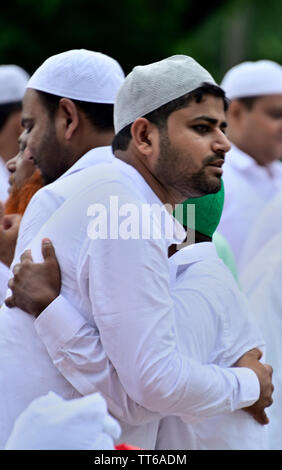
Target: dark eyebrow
{"points": [[210, 120]]}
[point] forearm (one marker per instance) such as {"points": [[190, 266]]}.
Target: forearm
{"points": [[188, 389]]}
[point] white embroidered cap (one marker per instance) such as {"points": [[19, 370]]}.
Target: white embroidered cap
{"points": [[13, 80], [81, 75], [148, 87], [52, 423], [263, 77]]}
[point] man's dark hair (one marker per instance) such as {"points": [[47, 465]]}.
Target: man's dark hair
{"points": [[100, 115], [248, 101], [160, 115], [6, 110]]}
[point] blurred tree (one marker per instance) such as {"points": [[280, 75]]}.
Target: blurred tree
{"points": [[218, 34], [131, 31], [236, 31]]}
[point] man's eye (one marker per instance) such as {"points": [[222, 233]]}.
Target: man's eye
{"points": [[202, 128]]}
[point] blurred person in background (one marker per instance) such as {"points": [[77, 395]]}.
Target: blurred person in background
{"points": [[13, 80], [24, 181], [252, 171], [266, 227], [261, 282]]}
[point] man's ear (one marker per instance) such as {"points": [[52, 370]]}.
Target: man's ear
{"points": [[235, 110], [68, 117], [144, 136]]}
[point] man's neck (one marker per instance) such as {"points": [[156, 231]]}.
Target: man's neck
{"points": [[165, 196]]}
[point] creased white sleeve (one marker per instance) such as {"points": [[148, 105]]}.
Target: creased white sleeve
{"points": [[77, 352], [133, 310], [133, 351]]}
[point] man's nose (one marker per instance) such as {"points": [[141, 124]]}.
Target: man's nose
{"points": [[221, 144], [11, 164]]}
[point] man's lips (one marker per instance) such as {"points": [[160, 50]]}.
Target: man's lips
{"points": [[218, 163]]}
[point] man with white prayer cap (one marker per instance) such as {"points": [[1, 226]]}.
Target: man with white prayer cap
{"points": [[68, 121], [67, 114], [13, 80], [111, 326], [252, 171]]}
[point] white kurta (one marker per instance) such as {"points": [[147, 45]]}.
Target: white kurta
{"points": [[117, 333], [261, 281], [266, 227], [248, 187], [44, 204], [213, 326]]}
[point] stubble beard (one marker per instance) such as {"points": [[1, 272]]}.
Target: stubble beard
{"points": [[168, 172], [55, 159]]}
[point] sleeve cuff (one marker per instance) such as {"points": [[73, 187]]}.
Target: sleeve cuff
{"points": [[58, 323], [249, 387]]}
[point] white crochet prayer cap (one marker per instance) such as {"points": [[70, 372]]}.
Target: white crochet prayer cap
{"points": [[148, 87], [81, 75], [52, 423], [13, 80], [263, 77]]}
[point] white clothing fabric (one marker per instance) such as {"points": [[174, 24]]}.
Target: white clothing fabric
{"points": [[261, 281], [266, 227], [79, 74], [248, 187], [260, 78], [51, 423], [43, 204], [109, 300], [213, 326], [4, 180]]}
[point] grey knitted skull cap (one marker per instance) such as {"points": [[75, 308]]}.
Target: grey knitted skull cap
{"points": [[148, 87]]}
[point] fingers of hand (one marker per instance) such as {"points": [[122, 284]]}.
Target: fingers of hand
{"points": [[26, 256], [16, 270], [269, 369], [262, 418], [255, 353], [11, 283], [9, 302], [47, 249]]}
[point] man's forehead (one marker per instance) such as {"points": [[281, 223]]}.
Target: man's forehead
{"points": [[31, 100], [270, 100], [209, 105]]}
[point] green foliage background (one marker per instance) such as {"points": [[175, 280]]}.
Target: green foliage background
{"points": [[141, 31]]}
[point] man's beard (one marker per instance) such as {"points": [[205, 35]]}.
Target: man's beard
{"points": [[170, 174], [52, 158], [19, 198]]}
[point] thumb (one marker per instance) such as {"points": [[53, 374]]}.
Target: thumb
{"points": [[47, 249], [256, 353]]}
